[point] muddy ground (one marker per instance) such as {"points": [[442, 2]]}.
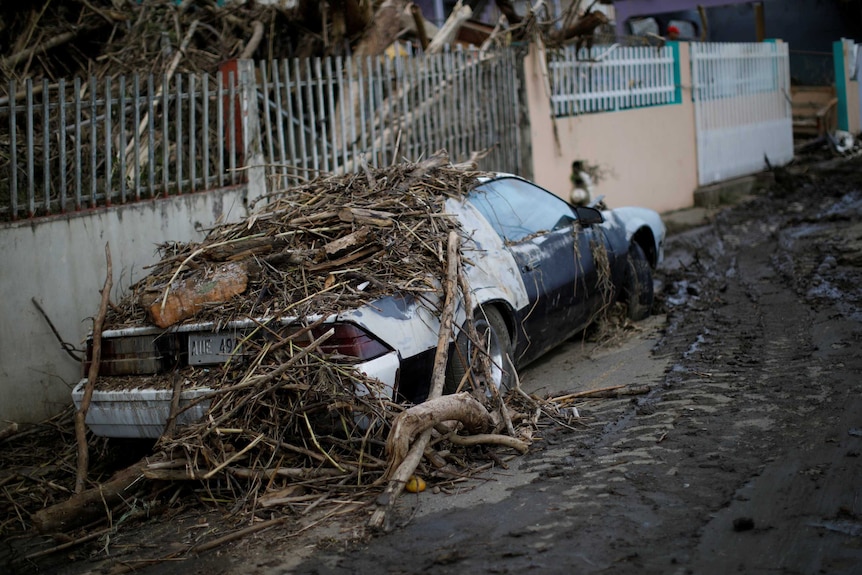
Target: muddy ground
{"points": [[745, 457]]}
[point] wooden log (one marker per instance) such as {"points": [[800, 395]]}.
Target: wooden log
{"points": [[187, 297], [86, 506]]}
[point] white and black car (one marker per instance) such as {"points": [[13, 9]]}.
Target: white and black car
{"points": [[540, 270]]}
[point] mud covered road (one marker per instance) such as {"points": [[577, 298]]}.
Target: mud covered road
{"points": [[744, 459]]}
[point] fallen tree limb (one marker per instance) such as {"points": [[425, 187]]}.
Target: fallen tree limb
{"points": [[81, 508], [461, 407], [52, 42], [254, 41], [489, 438], [81, 415], [447, 33], [612, 391], [401, 469]]}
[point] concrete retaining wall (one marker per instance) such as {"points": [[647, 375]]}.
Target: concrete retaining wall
{"points": [[60, 262]]}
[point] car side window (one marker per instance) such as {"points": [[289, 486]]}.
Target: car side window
{"points": [[517, 209]]}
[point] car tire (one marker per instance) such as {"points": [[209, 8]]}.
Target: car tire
{"points": [[491, 327], [638, 287]]}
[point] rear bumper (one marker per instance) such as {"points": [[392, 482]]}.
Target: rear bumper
{"points": [[143, 413], [139, 413]]}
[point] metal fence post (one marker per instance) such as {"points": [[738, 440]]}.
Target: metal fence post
{"points": [[252, 142]]}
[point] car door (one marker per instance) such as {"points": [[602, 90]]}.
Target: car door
{"points": [[554, 257]]}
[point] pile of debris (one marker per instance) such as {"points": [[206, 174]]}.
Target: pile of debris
{"points": [[285, 432], [67, 38], [286, 424]]}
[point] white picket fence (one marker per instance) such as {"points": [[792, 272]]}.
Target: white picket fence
{"points": [[611, 78], [742, 108]]}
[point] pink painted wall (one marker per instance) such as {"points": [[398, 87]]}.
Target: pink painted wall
{"points": [[648, 155]]}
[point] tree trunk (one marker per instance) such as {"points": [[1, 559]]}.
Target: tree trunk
{"points": [[384, 30]]}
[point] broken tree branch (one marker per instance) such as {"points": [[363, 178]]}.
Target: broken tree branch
{"points": [[254, 41], [81, 415], [404, 468]]}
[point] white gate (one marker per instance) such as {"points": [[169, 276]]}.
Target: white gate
{"points": [[742, 108]]}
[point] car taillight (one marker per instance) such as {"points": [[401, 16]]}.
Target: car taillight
{"points": [[133, 355], [349, 342]]}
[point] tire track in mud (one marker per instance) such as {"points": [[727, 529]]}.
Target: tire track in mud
{"points": [[665, 464]]}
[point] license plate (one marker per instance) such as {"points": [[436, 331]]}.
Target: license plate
{"points": [[210, 348]]}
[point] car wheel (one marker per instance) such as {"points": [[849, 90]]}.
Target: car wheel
{"points": [[638, 288], [491, 329]]}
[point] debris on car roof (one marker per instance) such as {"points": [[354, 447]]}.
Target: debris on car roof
{"points": [[330, 244]]}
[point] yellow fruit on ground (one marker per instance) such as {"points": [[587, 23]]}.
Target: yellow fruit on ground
{"points": [[415, 484]]}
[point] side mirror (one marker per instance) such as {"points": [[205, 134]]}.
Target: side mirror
{"points": [[589, 216]]}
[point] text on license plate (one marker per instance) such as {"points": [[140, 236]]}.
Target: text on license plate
{"points": [[207, 348]]}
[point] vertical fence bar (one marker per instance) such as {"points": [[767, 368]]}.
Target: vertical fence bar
{"points": [[46, 145], [300, 107], [440, 116], [166, 153], [288, 117], [421, 71], [108, 134], [372, 109], [361, 67], [193, 160], [312, 113], [13, 149], [136, 135], [220, 135], [205, 130], [77, 120], [31, 193], [330, 115], [61, 149], [450, 103], [122, 131], [151, 135], [391, 112], [267, 116], [343, 83], [178, 120], [94, 115], [279, 124], [425, 103], [352, 79], [323, 121], [232, 150]]}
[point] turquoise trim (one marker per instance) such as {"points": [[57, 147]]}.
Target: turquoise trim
{"points": [[840, 84], [677, 77]]}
